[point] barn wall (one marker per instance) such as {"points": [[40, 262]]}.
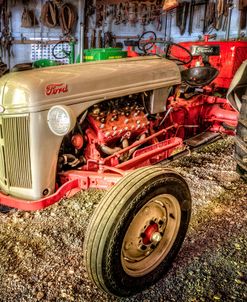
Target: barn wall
{"points": [[22, 53], [175, 34]]}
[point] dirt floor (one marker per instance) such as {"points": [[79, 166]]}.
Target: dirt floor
{"points": [[41, 256]]}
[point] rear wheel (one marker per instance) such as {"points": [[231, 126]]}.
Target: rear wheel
{"points": [[241, 140], [137, 231]]}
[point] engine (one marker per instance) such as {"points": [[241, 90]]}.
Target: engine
{"points": [[108, 127], [117, 130], [119, 119]]}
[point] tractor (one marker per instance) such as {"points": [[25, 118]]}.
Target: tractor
{"points": [[110, 125]]}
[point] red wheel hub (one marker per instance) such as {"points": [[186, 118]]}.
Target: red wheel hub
{"points": [[150, 230]]}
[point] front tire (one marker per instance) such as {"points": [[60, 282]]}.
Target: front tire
{"points": [[137, 231]]}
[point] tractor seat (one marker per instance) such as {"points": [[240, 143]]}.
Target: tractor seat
{"points": [[199, 76]]}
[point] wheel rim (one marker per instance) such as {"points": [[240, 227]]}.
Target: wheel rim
{"points": [[151, 235]]}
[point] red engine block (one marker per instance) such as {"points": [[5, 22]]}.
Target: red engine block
{"points": [[119, 125]]}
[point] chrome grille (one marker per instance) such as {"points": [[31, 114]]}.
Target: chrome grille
{"points": [[15, 170], [3, 173]]}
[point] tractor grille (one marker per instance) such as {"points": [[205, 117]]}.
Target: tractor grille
{"points": [[15, 167]]}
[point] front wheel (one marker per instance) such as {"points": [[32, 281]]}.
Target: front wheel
{"points": [[137, 231]]}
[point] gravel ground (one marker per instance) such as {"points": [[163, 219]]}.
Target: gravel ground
{"points": [[41, 257]]}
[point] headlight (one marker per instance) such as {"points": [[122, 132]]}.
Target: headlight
{"points": [[61, 120]]}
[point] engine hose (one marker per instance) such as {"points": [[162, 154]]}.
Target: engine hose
{"points": [[109, 151], [67, 18], [131, 151], [71, 160], [49, 14], [125, 143]]}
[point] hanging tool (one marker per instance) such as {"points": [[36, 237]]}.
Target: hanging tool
{"points": [[165, 25], [243, 14], [28, 18], [225, 14], [210, 20], [229, 21], [49, 14], [220, 12], [169, 26], [191, 12], [205, 18], [67, 18], [181, 16], [6, 32]]}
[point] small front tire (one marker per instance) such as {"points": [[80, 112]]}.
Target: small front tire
{"points": [[137, 231]]}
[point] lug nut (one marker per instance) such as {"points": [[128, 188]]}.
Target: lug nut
{"points": [[147, 253], [156, 237], [127, 245], [146, 210]]}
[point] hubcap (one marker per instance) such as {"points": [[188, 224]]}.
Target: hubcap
{"points": [[151, 235]]}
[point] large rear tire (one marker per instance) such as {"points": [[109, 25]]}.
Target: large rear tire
{"points": [[241, 140], [137, 231]]}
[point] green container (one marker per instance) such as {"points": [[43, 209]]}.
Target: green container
{"points": [[98, 54], [45, 63]]}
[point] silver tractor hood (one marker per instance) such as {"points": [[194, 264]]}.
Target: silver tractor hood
{"points": [[39, 89]]}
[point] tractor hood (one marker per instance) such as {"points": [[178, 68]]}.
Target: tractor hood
{"points": [[39, 89]]}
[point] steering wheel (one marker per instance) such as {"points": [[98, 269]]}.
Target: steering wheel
{"points": [[146, 44], [60, 52], [167, 53]]}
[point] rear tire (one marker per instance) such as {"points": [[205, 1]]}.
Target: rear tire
{"points": [[241, 140], [137, 231]]}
